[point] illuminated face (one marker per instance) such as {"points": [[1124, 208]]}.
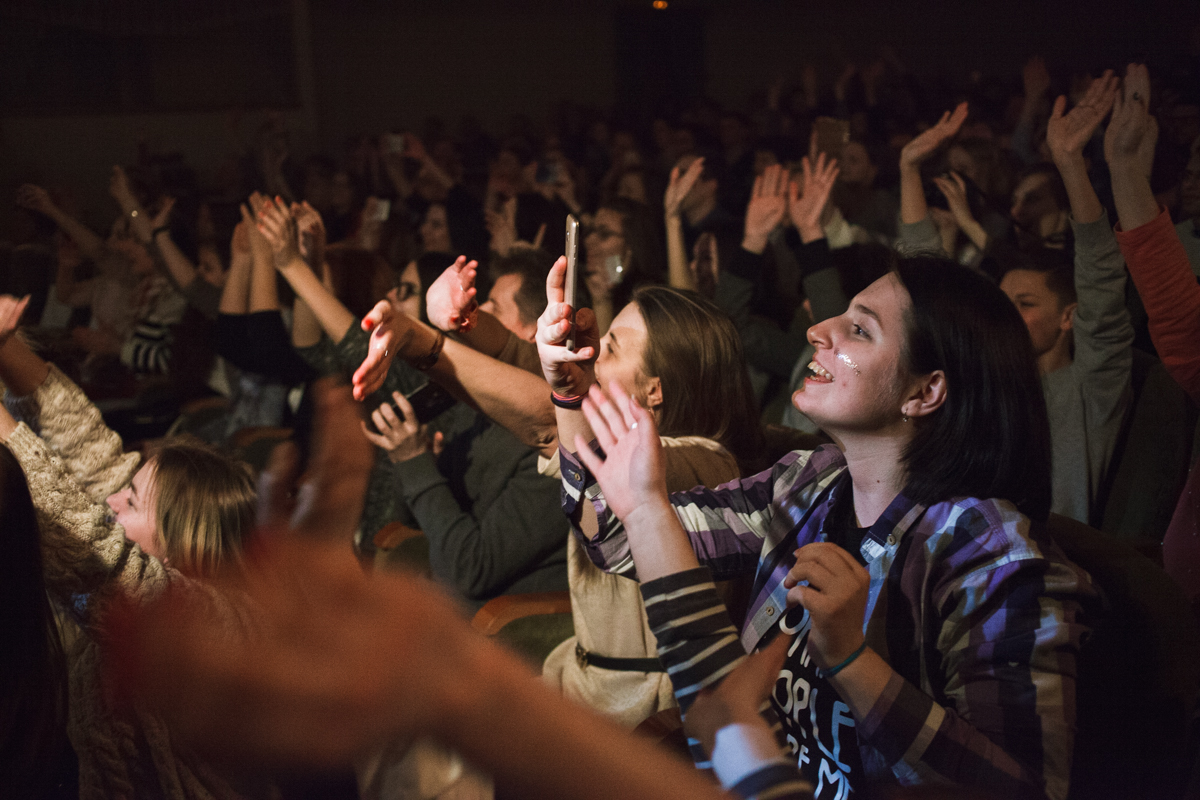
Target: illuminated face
{"points": [[856, 380], [622, 353], [435, 231], [605, 238], [134, 507], [856, 166], [407, 294], [1032, 200], [1046, 316], [1189, 188], [502, 304]]}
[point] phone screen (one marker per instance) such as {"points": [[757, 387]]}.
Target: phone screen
{"points": [[832, 136], [569, 288]]}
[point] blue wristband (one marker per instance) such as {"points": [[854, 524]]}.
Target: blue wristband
{"points": [[829, 673]]}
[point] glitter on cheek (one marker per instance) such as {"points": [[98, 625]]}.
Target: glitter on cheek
{"points": [[845, 359]]}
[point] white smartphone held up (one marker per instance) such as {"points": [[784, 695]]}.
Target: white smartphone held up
{"points": [[569, 287]]}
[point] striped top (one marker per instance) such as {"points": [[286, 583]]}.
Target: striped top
{"points": [[971, 604]]}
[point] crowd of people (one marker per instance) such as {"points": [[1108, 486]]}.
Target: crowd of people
{"points": [[856, 383]]}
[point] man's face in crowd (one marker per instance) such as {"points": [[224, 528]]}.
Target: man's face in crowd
{"points": [[1045, 314], [856, 166], [1033, 200], [502, 304]]}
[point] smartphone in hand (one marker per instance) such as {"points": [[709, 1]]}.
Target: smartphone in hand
{"points": [[832, 136], [572, 281]]}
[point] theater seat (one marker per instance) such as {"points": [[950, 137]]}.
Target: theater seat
{"points": [[397, 546], [533, 624], [1139, 674]]}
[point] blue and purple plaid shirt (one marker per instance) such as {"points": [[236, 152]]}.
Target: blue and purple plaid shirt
{"points": [[973, 606]]}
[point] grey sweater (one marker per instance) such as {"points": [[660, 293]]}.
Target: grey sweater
{"points": [[493, 522], [1088, 400]]}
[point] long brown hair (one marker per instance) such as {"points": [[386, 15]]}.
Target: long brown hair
{"points": [[693, 348], [204, 504]]}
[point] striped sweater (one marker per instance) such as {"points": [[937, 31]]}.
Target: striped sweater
{"points": [[975, 609]]}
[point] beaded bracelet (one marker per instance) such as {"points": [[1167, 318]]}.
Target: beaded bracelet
{"points": [[427, 361], [562, 401], [829, 673]]}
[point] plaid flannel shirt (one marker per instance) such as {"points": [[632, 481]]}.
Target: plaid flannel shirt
{"points": [[976, 610]]}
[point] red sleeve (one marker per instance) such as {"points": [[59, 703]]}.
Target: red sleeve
{"points": [[1160, 270]]}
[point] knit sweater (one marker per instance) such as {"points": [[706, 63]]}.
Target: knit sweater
{"points": [[71, 468], [1158, 264]]}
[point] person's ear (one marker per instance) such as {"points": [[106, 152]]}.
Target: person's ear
{"points": [[1066, 321], [927, 395], [653, 390]]}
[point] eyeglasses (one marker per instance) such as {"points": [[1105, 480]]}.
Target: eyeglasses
{"points": [[601, 232]]}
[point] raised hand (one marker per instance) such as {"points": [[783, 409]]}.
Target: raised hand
{"points": [[390, 330], [680, 185], [35, 198], [1068, 133], [925, 144], [163, 216], [450, 302], [808, 198], [767, 208], [954, 189], [1125, 140], [631, 473], [118, 187], [278, 227], [240, 243], [737, 699], [401, 437], [11, 310], [569, 372], [502, 225], [311, 228], [828, 582]]}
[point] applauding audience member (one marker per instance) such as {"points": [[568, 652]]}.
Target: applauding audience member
{"points": [[1158, 264]]}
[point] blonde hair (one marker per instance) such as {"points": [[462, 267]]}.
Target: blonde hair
{"points": [[204, 504]]}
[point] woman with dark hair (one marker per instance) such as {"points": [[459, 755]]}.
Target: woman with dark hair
{"points": [[36, 760], [623, 251], [333, 292], [936, 624]]}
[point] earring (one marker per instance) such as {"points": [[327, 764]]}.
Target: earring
{"points": [[904, 415]]}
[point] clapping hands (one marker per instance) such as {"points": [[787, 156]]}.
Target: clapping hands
{"points": [[768, 206], [681, 183], [808, 198], [450, 302], [925, 144], [1068, 133], [1132, 132], [278, 226]]}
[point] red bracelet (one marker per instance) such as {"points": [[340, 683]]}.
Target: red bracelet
{"points": [[566, 402]]}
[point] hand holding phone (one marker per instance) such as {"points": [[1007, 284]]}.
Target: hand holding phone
{"points": [[572, 278]]}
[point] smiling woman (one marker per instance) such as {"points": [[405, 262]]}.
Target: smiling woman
{"points": [[184, 513], [936, 625]]}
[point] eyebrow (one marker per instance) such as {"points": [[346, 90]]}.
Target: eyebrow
{"points": [[868, 312]]}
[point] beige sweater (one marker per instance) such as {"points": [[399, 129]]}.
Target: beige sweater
{"points": [[609, 616], [71, 468]]}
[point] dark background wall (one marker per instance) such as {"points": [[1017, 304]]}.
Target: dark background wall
{"points": [[86, 85]]}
